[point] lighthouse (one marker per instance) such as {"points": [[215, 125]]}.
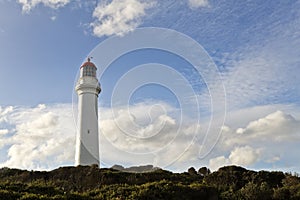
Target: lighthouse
{"points": [[87, 140]]}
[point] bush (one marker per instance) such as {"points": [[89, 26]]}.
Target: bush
{"points": [[252, 191], [8, 195], [281, 193]]}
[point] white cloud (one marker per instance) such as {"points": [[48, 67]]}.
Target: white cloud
{"points": [[53, 18], [86, 5], [216, 163], [277, 127], [273, 159], [244, 156], [40, 137], [198, 3], [264, 141], [146, 133], [28, 5], [3, 131], [119, 16], [6, 110], [275, 122], [44, 138], [265, 72], [264, 69], [45, 121]]}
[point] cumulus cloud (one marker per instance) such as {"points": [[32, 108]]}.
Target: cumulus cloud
{"points": [[262, 72], [198, 3], [39, 138], [216, 163], [242, 156], [28, 5], [277, 127], [4, 111], [3, 131], [119, 16], [43, 137], [151, 133], [264, 141]]}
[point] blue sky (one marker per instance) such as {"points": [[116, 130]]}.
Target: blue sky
{"points": [[254, 45]]}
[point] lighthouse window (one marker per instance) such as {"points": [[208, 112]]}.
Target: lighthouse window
{"points": [[88, 131], [89, 71]]}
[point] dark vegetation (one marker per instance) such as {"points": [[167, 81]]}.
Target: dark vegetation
{"points": [[90, 182]]}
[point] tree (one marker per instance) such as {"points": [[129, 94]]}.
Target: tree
{"points": [[203, 171], [290, 180], [252, 191], [281, 193], [192, 171]]}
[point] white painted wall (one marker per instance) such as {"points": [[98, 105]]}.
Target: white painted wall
{"points": [[87, 141]]}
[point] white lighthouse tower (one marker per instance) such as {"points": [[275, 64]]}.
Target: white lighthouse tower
{"points": [[87, 142]]}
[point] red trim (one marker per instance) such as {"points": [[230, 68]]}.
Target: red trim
{"points": [[88, 64]]}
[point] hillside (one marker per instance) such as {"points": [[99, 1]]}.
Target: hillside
{"points": [[90, 182]]}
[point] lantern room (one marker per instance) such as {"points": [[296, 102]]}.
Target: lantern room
{"points": [[88, 69]]}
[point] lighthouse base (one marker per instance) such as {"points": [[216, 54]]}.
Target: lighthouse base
{"points": [[85, 157]]}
